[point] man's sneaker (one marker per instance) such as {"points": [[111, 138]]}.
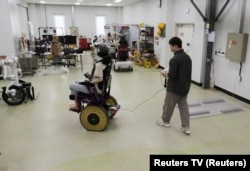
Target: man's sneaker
{"points": [[186, 130], [162, 123]]}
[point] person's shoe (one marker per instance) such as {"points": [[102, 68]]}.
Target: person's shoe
{"points": [[186, 130], [162, 123], [74, 108]]}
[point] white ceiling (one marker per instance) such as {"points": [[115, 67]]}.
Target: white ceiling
{"points": [[86, 2]]}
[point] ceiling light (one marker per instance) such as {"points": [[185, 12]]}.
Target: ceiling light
{"points": [[79, 0], [43, 2], [77, 3], [110, 4], [117, 1]]}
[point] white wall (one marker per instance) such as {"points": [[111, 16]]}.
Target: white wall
{"points": [[226, 71], [33, 17], [9, 27], [83, 17]]}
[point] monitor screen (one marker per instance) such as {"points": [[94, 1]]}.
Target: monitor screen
{"points": [[48, 37], [70, 40], [62, 39]]}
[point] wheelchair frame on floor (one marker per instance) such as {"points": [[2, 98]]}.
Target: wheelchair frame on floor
{"points": [[18, 91]]}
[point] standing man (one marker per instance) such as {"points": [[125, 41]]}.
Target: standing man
{"points": [[178, 85]]}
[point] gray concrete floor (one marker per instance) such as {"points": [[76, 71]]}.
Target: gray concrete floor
{"points": [[43, 135]]}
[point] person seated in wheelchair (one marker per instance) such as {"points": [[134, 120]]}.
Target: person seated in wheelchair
{"points": [[123, 50], [95, 79]]}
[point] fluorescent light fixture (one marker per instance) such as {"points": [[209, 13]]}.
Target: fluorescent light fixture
{"points": [[77, 3], [117, 1], [109, 4], [43, 2]]}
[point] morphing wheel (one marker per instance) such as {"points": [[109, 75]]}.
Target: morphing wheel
{"points": [[112, 102], [16, 99], [94, 118]]}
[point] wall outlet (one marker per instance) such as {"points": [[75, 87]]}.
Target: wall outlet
{"points": [[223, 53], [220, 53]]}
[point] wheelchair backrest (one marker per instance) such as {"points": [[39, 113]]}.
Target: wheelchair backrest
{"points": [[123, 54], [95, 98], [106, 83]]}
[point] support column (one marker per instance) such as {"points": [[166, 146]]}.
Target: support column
{"points": [[209, 26], [210, 19]]}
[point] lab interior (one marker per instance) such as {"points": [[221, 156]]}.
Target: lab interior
{"points": [[46, 46]]}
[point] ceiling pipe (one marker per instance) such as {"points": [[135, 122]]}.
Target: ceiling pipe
{"points": [[205, 19], [222, 9], [199, 11]]}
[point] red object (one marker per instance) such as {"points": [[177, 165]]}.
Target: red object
{"points": [[83, 43], [234, 42], [2, 57]]}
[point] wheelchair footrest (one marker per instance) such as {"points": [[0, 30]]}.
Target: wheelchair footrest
{"points": [[115, 107], [75, 110], [72, 97]]}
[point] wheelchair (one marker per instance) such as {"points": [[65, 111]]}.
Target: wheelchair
{"points": [[17, 94], [122, 61], [18, 91], [97, 109]]}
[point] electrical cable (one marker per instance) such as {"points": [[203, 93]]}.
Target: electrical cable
{"points": [[144, 101], [236, 79], [37, 96], [165, 81], [240, 71]]}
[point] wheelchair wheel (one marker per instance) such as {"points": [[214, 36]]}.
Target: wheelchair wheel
{"points": [[112, 102], [17, 99], [94, 118]]}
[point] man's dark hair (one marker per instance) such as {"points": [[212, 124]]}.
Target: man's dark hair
{"points": [[175, 41]]}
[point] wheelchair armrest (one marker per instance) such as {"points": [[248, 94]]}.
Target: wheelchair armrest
{"points": [[87, 83], [91, 88], [87, 75]]}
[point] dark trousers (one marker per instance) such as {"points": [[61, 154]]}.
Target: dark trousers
{"points": [[171, 100]]}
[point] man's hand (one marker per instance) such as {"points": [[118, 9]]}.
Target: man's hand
{"points": [[164, 73]]}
